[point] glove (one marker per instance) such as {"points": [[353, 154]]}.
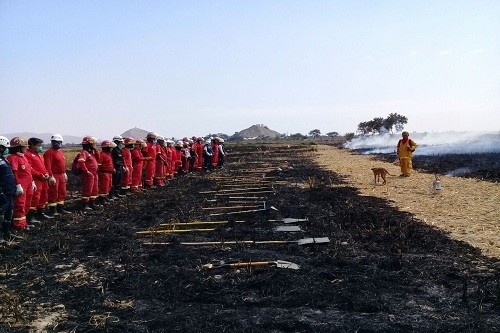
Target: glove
{"points": [[33, 186], [19, 190], [52, 180], [65, 176]]}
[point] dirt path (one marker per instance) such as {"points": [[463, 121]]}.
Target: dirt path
{"points": [[468, 209]]}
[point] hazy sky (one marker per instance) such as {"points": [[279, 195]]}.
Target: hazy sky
{"points": [[197, 67]]}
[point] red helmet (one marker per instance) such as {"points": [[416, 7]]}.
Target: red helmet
{"points": [[151, 135], [138, 141], [18, 141], [107, 143], [88, 140], [129, 141]]}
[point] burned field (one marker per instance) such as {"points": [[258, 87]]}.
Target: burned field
{"points": [[381, 271]]}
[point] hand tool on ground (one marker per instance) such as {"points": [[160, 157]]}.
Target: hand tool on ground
{"points": [[219, 194], [277, 263], [290, 220], [288, 228], [230, 207], [304, 241], [175, 224], [238, 190], [171, 231], [244, 211]]}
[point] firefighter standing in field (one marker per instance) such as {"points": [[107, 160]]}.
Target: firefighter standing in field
{"points": [[88, 166], [55, 164], [119, 166], [41, 179], [127, 164], [21, 169], [161, 161], [105, 171], [149, 153], [137, 165], [215, 153], [198, 149], [405, 149], [7, 190]]}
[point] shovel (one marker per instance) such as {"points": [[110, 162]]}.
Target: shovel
{"points": [[288, 228], [174, 224], [277, 263], [290, 220], [304, 241]]}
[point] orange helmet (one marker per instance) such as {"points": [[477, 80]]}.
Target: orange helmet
{"points": [[129, 141], [88, 140], [151, 135], [18, 141], [107, 143]]}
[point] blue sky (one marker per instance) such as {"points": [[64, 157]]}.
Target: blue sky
{"points": [[183, 68]]}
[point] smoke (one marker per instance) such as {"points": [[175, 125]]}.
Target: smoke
{"points": [[431, 143]]}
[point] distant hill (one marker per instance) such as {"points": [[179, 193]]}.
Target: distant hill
{"points": [[258, 131], [136, 133]]}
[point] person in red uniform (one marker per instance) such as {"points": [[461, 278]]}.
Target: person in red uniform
{"points": [[21, 169], [198, 149], [105, 171], [137, 165], [127, 164], [215, 153], [88, 166], [178, 158], [55, 163], [161, 160], [41, 179], [149, 153], [170, 167]]}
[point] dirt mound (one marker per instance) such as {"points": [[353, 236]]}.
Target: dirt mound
{"points": [[382, 271], [256, 132]]}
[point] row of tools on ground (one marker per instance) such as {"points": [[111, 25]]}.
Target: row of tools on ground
{"points": [[241, 196]]}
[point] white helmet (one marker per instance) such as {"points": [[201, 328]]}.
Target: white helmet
{"points": [[160, 138], [118, 138], [56, 137], [4, 141]]}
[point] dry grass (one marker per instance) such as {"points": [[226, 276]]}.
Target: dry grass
{"points": [[466, 208]]}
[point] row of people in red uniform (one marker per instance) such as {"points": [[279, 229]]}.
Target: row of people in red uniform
{"points": [[32, 180]]}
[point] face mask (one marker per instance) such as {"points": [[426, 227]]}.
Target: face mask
{"points": [[56, 144], [6, 152], [40, 149], [120, 145]]}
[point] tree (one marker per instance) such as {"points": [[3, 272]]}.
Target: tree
{"points": [[332, 134], [395, 121], [297, 136], [315, 133]]}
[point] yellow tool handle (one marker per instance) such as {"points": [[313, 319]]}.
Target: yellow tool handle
{"points": [[145, 232]]}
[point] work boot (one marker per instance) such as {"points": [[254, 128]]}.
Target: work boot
{"points": [[31, 218], [53, 211], [42, 216], [60, 209]]}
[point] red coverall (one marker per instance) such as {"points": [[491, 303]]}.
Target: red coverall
{"points": [[137, 164], [178, 160], [150, 157], [22, 175], [161, 164], [127, 163], [169, 167], [40, 177], [215, 155], [88, 164], [105, 170], [198, 164], [55, 163]]}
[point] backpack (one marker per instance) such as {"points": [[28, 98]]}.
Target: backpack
{"points": [[74, 166]]}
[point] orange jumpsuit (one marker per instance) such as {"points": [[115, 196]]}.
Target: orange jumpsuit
{"points": [[105, 170]]}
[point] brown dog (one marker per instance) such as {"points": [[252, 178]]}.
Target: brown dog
{"points": [[380, 173]]}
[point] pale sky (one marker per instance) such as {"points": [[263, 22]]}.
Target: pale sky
{"points": [[183, 68]]}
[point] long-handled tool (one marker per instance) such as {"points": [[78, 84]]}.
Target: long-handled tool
{"points": [[180, 224], [304, 241], [290, 220], [277, 263], [171, 231]]}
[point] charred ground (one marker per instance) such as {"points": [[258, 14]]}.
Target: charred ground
{"points": [[383, 271]]}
